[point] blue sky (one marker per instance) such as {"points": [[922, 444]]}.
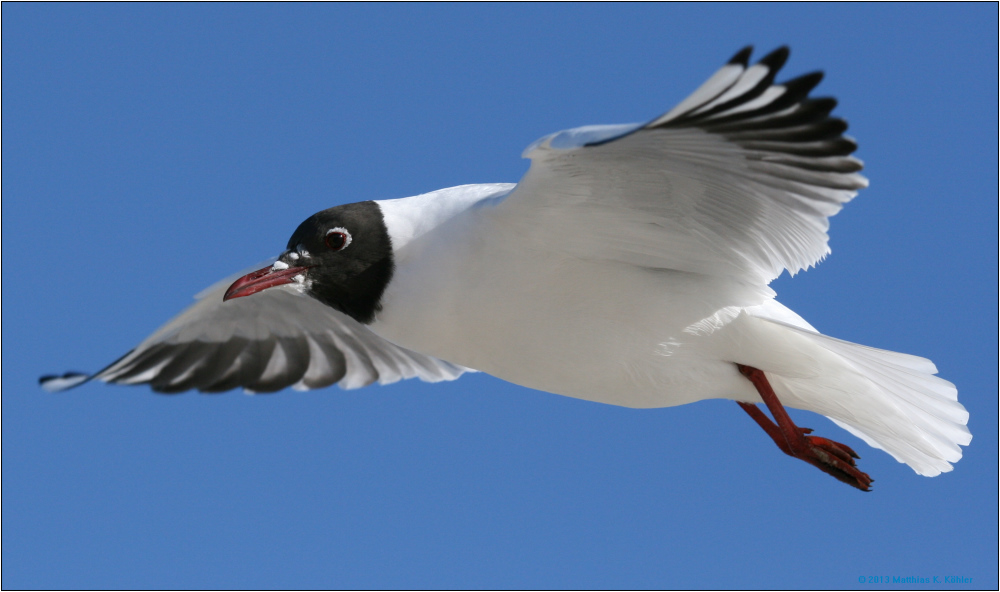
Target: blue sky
{"points": [[150, 150]]}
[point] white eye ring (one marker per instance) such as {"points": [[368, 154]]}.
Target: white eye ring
{"points": [[341, 231]]}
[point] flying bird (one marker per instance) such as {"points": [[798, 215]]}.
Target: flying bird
{"points": [[630, 266]]}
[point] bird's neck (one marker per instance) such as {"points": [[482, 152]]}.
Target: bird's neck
{"points": [[411, 217]]}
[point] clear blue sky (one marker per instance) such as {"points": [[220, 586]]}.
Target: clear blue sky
{"points": [[149, 150]]}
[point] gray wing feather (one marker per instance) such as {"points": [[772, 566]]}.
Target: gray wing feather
{"points": [[276, 339], [738, 180]]}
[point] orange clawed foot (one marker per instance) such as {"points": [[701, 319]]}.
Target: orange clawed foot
{"points": [[828, 456]]}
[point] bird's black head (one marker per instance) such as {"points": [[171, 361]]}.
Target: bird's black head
{"points": [[341, 256]]}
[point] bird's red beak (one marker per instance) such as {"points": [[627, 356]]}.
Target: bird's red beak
{"points": [[262, 279]]}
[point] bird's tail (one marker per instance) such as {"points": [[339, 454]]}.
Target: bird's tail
{"points": [[890, 400]]}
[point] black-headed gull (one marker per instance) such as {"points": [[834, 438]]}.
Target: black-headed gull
{"points": [[630, 266]]}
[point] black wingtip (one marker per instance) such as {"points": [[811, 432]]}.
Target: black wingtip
{"points": [[806, 82], [797, 89], [776, 59], [55, 383], [742, 57]]}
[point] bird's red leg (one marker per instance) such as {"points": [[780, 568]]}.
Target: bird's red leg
{"points": [[828, 456]]}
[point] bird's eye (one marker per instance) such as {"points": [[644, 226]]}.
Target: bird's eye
{"points": [[337, 238]]}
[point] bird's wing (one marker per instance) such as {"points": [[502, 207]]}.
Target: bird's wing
{"points": [[277, 338], [738, 180]]}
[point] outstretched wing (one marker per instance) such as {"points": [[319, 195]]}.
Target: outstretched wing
{"points": [[275, 339], [738, 180]]}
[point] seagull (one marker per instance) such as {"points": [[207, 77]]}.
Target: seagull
{"points": [[629, 266]]}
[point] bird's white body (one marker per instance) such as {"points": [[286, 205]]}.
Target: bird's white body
{"points": [[641, 337], [594, 330]]}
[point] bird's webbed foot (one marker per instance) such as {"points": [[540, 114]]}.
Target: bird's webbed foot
{"points": [[831, 457]]}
